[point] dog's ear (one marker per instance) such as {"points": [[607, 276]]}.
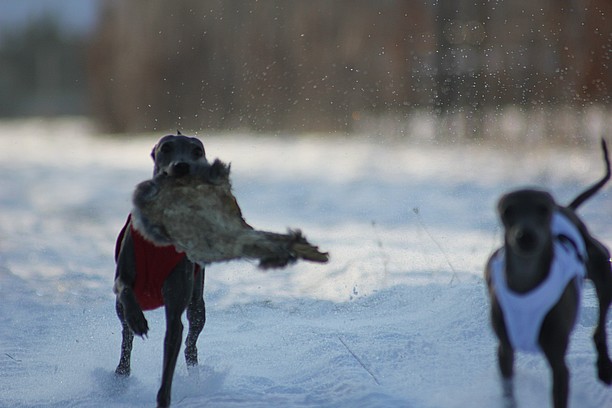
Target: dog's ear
{"points": [[501, 203], [153, 152], [504, 210], [178, 133]]}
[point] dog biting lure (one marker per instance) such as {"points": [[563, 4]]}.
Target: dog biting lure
{"points": [[183, 218], [149, 276], [200, 216]]}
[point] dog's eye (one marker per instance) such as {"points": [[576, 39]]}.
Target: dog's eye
{"points": [[166, 148], [198, 152], [508, 213]]}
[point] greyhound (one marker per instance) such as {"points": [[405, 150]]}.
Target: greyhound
{"points": [[149, 276], [534, 283]]}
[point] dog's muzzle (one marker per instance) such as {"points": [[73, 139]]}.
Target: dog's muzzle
{"points": [[525, 240], [179, 169]]}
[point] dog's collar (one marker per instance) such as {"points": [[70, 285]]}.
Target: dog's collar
{"points": [[569, 243], [566, 233]]}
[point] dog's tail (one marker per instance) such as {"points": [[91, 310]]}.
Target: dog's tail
{"points": [[588, 193]]}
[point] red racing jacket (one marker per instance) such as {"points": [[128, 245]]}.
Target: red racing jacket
{"points": [[153, 265]]}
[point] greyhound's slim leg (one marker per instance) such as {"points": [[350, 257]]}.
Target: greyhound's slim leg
{"points": [[505, 359], [125, 276], [505, 355], [601, 276], [555, 354], [196, 315], [172, 346], [554, 339], [176, 291], [560, 378], [123, 369]]}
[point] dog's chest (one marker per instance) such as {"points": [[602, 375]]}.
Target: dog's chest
{"points": [[153, 266], [524, 312]]}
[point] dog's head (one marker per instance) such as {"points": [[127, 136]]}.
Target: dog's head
{"points": [[177, 155], [526, 216]]}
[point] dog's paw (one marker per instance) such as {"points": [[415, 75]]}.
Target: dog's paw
{"points": [[508, 390], [122, 371], [132, 313], [191, 356], [137, 322], [604, 370]]}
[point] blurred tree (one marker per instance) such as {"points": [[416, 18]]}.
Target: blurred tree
{"points": [[278, 64], [596, 56], [321, 65], [42, 71]]}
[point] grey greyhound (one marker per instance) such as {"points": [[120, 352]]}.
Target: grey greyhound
{"points": [[534, 283], [150, 276]]}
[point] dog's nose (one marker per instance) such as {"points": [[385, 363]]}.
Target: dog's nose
{"points": [[180, 169], [526, 239]]}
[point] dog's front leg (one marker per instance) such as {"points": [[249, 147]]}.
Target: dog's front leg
{"points": [[560, 379], [554, 340], [176, 291], [124, 282], [132, 312], [505, 359], [126, 305], [172, 346], [505, 355]]}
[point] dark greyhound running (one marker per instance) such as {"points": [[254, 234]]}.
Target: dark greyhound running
{"points": [[149, 276], [534, 282]]}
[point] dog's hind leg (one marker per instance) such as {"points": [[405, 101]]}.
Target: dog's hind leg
{"points": [[123, 369], [196, 315], [600, 274]]}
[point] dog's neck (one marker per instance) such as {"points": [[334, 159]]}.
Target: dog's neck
{"points": [[525, 273]]}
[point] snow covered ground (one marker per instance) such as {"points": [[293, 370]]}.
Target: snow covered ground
{"points": [[398, 318]]}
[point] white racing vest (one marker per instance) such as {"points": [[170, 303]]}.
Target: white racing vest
{"points": [[524, 313]]}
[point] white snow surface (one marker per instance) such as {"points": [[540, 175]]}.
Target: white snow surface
{"points": [[398, 318]]}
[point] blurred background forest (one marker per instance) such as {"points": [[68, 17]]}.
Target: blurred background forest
{"points": [[466, 68]]}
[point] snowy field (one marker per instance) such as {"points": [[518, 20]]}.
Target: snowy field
{"points": [[398, 318]]}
